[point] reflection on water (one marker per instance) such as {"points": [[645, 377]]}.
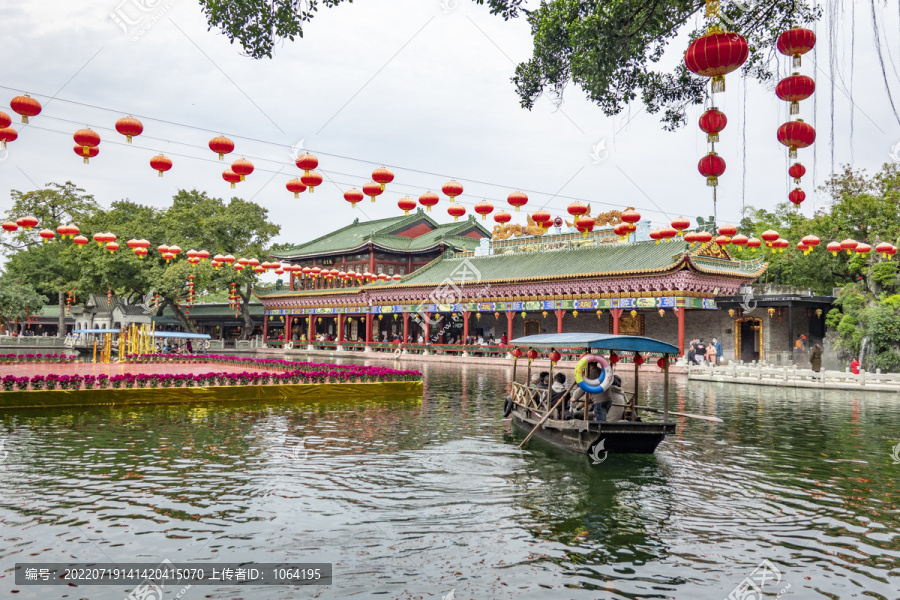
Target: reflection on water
{"points": [[412, 500]]}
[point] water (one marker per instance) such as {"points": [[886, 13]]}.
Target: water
{"points": [[413, 500]]}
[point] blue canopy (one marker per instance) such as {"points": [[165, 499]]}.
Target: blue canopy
{"points": [[96, 331], [600, 341], [181, 335]]}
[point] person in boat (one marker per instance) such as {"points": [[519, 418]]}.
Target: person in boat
{"points": [[557, 389], [544, 381], [616, 409], [580, 397]]}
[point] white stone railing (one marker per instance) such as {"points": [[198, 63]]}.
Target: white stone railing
{"points": [[792, 376]]}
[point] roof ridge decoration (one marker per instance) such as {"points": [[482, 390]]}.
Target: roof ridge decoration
{"points": [[711, 250]]}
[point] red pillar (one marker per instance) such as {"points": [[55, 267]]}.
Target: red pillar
{"points": [[340, 331], [426, 328], [616, 313], [371, 259], [680, 312], [311, 334], [288, 331], [291, 280], [560, 313], [465, 325], [405, 327], [368, 328], [510, 315], [265, 327]]}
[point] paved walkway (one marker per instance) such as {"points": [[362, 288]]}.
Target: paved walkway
{"points": [[760, 374]]}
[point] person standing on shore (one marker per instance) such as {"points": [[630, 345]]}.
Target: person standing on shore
{"points": [[815, 358]]}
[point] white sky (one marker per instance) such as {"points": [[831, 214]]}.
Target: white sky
{"points": [[407, 84]]}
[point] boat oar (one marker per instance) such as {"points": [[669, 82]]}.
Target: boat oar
{"points": [[677, 414], [547, 416]]}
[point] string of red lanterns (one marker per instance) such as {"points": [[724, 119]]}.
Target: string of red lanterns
{"points": [[796, 134]]}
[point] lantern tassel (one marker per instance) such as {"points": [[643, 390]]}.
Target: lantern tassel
{"points": [[712, 181], [232, 185], [718, 84], [428, 209], [795, 107], [517, 210], [712, 138], [3, 144], [24, 119], [128, 138], [796, 60], [797, 180], [160, 173], [221, 156], [792, 153], [86, 160], [312, 189], [296, 195], [382, 187]]}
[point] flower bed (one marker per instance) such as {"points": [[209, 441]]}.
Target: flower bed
{"points": [[33, 358], [279, 372]]}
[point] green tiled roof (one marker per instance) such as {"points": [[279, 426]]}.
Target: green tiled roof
{"points": [[379, 232], [216, 310], [602, 260]]}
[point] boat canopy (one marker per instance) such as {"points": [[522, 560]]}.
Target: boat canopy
{"points": [[181, 335], [116, 331], [600, 341]]}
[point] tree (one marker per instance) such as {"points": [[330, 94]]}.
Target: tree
{"points": [[17, 300], [47, 267], [608, 48]]}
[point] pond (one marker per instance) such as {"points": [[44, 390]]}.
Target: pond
{"points": [[418, 500]]}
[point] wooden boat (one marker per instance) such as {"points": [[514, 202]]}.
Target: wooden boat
{"points": [[530, 410]]}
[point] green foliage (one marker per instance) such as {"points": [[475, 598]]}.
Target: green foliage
{"points": [[18, 300], [851, 334], [833, 318], [885, 274], [887, 359]]}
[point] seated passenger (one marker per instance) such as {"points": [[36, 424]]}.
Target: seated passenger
{"points": [[579, 397], [543, 380], [616, 412]]}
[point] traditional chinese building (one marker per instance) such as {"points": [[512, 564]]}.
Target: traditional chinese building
{"points": [[513, 286]]}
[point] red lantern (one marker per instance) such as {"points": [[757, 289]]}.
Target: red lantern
{"points": [[484, 208], [797, 171], [429, 199], [517, 353], [849, 245], [87, 139], [715, 55], [161, 163], [112, 247], [613, 358], [353, 196], [311, 180], [690, 237], [728, 230], [26, 106], [740, 240], [80, 240], [680, 224], [5, 121], [769, 236], [231, 177], [884, 249], [201, 254], [711, 166], [811, 241], [372, 190], [542, 218], [833, 247], [585, 224], [27, 223], [242, 167], [531, 354], [46, 234], [452, 189], [456, 211], [796, 134], [661, 363], [129, 127], [296, 186], [518, 199], [753, 243], [667, 233], [621, 230], [797, 196], [631, 217], [221, 145], [92, 151], [863, 249], [174, 250], [554, 356], [307, 162], [7, 134], [723, 240], [796, 42], [407, 204], [656, 235], [382, 176], [795, 88], [638, 359], [703, 237], [576, 209], [502, 217], [712, 122]]}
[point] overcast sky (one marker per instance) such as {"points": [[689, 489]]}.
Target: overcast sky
{"points": [[412, 84]]}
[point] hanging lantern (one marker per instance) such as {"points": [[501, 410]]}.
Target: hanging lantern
{"points": [[633, 314], [311, 180], [863, 249], [524, 314], [80, 241], [780, 244], [129, 127], [87, 139], [712, 122], [382, 175], [730, 312], [353, 196], [296, 186], [667, 233], [796, 134], [429, 199], [797, 171], [484, 208], [753, 243], [231, 177], [201, 254], [46, 235], [740, 240], [802, 247], [849, 245], [703, 237], [452, 189], [796, 42], [585, 224], [769, 236], [307, 162], [174, 250], [92, 151], [833, 247], [542, 218], [456, 211], [599, 314], [723, 240], [407, 204], [27, 223], [517, 199], [661, 363], [517, 353], [574, 314], [797, 196], [112, 247], [502, 217], [613, 358], [795, 88], [656, 235], [242, 167], [26, 106], [680, 224], [661, 312], [532, 354], [554, 357], [161, 164], [638, 359], [883, 248], [7, 134], [5, 121], [576, 209], [690, 237], [631, 217], [141, 252], [771, 312], [711, 166], [544, 314], [372, 190], [810, 241], [716, 54], [221, 145], [621, 230], [727, 230]]}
